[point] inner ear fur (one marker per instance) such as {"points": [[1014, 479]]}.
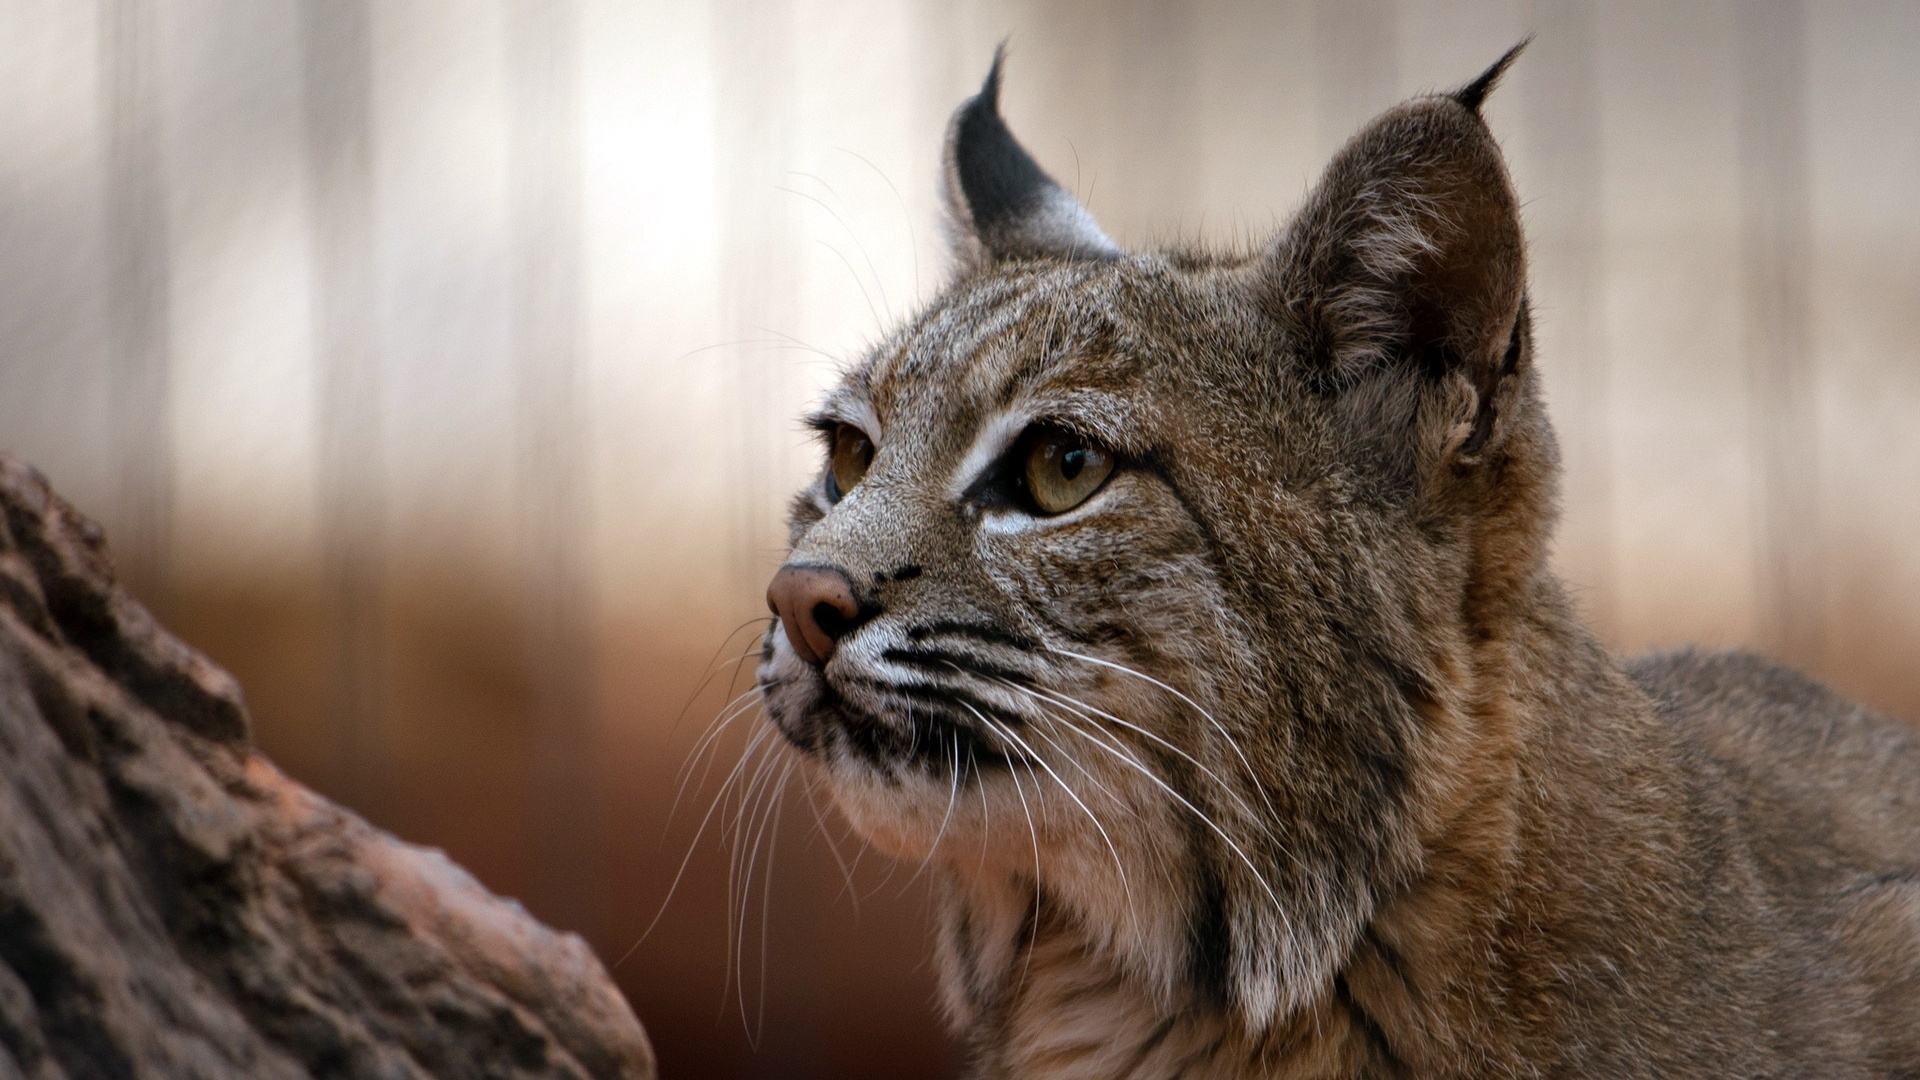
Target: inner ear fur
{"points": [[1407, 260]]}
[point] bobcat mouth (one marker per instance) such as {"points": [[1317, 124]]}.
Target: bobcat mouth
{"points": [[918, 720], [925, 735]]}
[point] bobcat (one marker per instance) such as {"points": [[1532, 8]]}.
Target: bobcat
{"points": [[1188, 613]]}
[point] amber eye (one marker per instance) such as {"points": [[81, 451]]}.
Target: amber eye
{"points": [[852, 453], [1063, 470]]}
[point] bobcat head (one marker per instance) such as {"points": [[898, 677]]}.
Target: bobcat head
{"points": [[1146, 595]]}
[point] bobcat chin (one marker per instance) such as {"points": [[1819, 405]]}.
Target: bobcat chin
{"points": [[1189, 613]]}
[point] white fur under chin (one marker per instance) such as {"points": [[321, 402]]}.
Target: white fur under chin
{"points": [[1117, 883]]}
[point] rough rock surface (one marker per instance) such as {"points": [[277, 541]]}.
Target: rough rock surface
{"points": [[171, 905]]}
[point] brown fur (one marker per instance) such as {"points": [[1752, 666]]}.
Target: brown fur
{"points": [[1285, 755]]}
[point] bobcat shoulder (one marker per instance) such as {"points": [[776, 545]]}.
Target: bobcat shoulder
{"points": [[1189, 613]]}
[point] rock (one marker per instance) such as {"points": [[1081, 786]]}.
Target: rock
{"points": [[171, 905]]}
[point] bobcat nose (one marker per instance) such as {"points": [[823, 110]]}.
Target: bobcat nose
{"points": [[817, 607]]}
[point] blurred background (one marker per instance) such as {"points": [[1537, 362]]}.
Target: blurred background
{"points": [[434, 367]]}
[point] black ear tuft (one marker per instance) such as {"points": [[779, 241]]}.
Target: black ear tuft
{"points": [[1003, 204], [1475, 93], [995, 172]]}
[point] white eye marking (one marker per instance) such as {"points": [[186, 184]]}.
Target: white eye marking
{"points": [[1006, 521], [1010, 522], [863, 417], [992, 440]]}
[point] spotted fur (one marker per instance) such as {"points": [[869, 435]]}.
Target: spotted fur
{"points": [[1284, 754]]}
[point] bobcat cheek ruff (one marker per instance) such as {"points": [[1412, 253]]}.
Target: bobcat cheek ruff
{"points": [[1188, 615]]}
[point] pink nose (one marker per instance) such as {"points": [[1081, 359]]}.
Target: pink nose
{"points": [[817, 608]]}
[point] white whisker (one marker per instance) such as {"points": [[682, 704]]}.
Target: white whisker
{"points": [[766, 893], [764, 812], [1232, 743], [819, 819], [693, 845], [986, 815], [1088, 712], [1205, 818], [1007, 732], [710, 740], [739, 870], [953, 796], [1034, 834]]}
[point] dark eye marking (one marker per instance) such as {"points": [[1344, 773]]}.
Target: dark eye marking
{"points": [[905, 573]]}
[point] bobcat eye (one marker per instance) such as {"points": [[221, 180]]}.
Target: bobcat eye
{"points": [[1063, 470], [852, 453]]}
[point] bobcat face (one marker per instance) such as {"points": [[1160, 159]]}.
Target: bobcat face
{"points": [[1135, 591], [1028, 681]]}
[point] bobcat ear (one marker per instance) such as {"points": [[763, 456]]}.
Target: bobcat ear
{"points": [[1408, 255], [1000, 203]]}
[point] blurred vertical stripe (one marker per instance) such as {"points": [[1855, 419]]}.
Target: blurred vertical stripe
{"points": [[1357, 62], [1776, 296], [1559, 97], [136, 296], [338, 45], [567, 827]]}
